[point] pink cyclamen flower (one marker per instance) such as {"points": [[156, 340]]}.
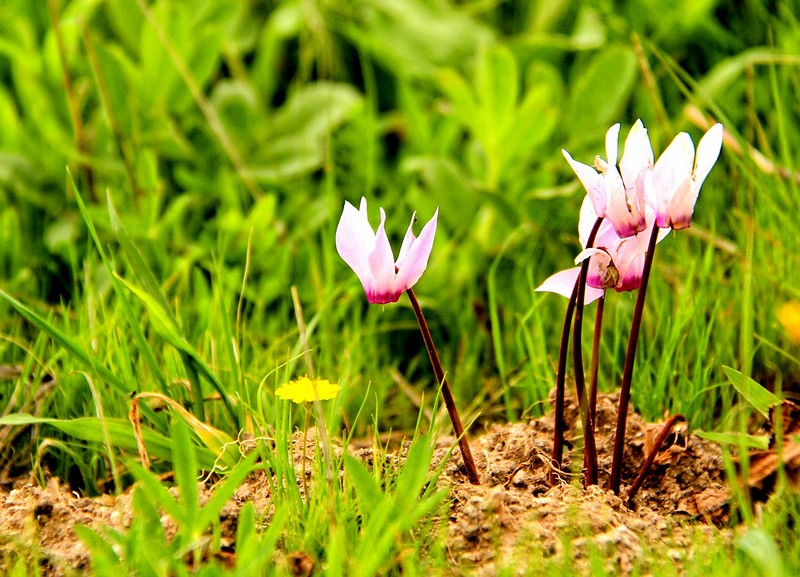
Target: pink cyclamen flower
{"points": [[618, 193], [673, 185], [615, 262], [370, 256]]}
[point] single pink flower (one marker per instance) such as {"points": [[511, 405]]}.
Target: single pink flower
{"points": [[618, 193], [369, 255], [614, 262], [673, 185]]}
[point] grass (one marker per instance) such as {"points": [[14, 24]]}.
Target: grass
{"points": [[209, 152]]}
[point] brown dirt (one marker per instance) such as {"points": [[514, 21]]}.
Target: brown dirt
{"points": [[512, 519]]}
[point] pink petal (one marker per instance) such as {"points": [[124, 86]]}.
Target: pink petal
{"points": [[622, 210], [380, 283], [681, 206], [563, 283], [415, 261], [708, 150], [592, 182], [355, 238]]}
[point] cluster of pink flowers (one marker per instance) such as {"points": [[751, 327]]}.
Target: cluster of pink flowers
{"points": [[632, 198]]}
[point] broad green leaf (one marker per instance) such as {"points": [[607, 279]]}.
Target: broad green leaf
{"points": [[497, 86], [759, 397], [414, 473], [600, 91], [760, 546], [368, 491], [750, 441]]}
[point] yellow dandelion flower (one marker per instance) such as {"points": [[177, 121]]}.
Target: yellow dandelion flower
{"points": [[305, 390], [789, 318]]}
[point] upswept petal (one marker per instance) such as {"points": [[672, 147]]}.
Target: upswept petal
{"points": [[708, 150], [637, 156], [408, 239], [591, 181], [612, 144], [415, 261], [563, 283], [671, 169], [355, 238], [381, 267]]}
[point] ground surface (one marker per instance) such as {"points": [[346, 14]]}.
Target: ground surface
{"points": [[513, 518]]}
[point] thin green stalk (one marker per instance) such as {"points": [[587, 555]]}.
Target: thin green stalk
{"points": [[589, 446], [447, 395], [627, 372]]}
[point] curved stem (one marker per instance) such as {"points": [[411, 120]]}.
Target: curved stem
{"points": [[648, 462], [627, 372], [447, 395], [589, 447]]}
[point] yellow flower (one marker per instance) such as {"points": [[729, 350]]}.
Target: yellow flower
{"points": [[789, 318], [305, 390]]}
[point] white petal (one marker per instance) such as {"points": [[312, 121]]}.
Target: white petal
{"points": [[637, 156], [612, 143], [563, 283], [355, 239], [708, 150], [415, 261]]}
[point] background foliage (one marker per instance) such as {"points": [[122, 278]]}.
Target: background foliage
{"points": [[214, 142]]}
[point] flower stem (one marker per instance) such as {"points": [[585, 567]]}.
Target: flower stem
{"points": [[648, 462], [627, 372], [594, 367], [447, 395], [558, 426], [589, 447]]}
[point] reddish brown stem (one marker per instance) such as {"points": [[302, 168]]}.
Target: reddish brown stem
{"points": [[589, 447], [648, 462], [627, 372], [447, 395], [594, 367], [558, 433]]}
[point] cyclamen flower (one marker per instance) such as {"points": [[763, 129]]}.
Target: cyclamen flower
{"points": [[618, 194], [673, 185], [370, 256], [614, 262]]}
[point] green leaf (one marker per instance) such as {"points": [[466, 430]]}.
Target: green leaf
{"points": [[185, 469], [601, 90], [760, 442], [368, 491], [120, 431], [753, 392]]}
